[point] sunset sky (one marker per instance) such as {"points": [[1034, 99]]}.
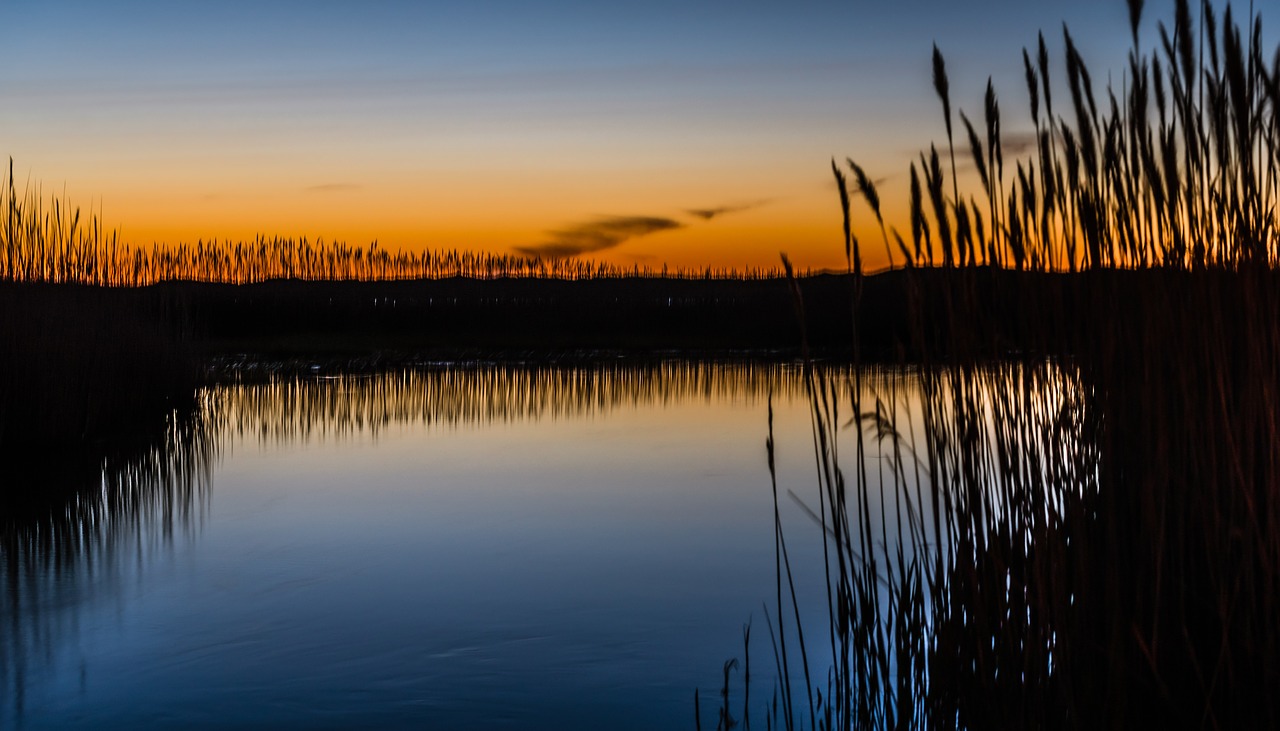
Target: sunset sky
{"points": [[687, 133]]}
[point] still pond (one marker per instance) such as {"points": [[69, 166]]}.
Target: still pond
{"points": [[452, 546]]}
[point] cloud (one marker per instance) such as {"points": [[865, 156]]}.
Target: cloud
{"points": [[597, 234], [1019, 143], [1014, 146], [333, 188], [707, 214]]}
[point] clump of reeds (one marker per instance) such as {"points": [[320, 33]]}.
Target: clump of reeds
{"points": [[1079, 529], [1176, 168], [42, 242], [80, 366]]}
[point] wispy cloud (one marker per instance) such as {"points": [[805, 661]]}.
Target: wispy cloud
{"points": [[1013, 145], [707, 214], [597, 234], [333, 188], [1017, 144]]}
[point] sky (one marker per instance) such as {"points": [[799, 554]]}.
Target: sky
{"points": [[683, 133]]}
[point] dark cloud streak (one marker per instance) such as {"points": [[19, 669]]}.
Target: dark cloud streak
{"points": [[1013, 145], [605, 232], [707, 214]]}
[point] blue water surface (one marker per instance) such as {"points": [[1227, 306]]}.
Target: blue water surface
{"points": [[455, 547]]}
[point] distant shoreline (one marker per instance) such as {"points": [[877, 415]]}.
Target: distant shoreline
{"points": [[535, 319], [82, 365]]}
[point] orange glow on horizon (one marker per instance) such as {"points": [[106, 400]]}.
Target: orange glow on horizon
{"points": [[751, 235]]}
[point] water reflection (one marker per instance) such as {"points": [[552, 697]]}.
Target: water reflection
{"points": [[84, 549], [460, 538], [287, 409], [60, 569], [952, 515]]}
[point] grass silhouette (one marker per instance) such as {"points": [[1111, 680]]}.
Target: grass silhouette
{"points": [[1065, 516], [46, 240]]}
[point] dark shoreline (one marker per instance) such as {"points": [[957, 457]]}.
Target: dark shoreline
{"points": [[90, 374], [904, 316]]}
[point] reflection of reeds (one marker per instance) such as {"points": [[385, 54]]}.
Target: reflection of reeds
{"points": [[140, 503], [1034, 545], [158, 486], [135, 507], [297, 408], [82, 367], [946, 584]]}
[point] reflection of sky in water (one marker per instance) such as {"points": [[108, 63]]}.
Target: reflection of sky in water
{"points": [[525, 547], [559, 567]]}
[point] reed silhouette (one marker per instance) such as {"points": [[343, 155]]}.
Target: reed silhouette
{"points": [[1177, 169], [1077, 526]]}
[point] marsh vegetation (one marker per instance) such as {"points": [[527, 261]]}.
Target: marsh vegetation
{"points": [[1071, 522], [46, 239], [1078, 528]]}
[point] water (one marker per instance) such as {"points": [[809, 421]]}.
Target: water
{"points": [[452, 547]]}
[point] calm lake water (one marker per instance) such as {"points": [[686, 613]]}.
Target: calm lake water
{"points": [[458, 546]]}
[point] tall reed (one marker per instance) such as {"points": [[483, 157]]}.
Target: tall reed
{"points": [[1079, 527], [1175, 168]]}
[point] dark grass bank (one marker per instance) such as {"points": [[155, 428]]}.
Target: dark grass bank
{"points": [[86, 374]]}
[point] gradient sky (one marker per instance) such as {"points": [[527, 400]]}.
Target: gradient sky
{"points": [[508, 126]]}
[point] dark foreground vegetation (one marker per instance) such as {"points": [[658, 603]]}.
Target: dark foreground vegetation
{"points": [[1082, 537], [86, 375], [1066, 515]]}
